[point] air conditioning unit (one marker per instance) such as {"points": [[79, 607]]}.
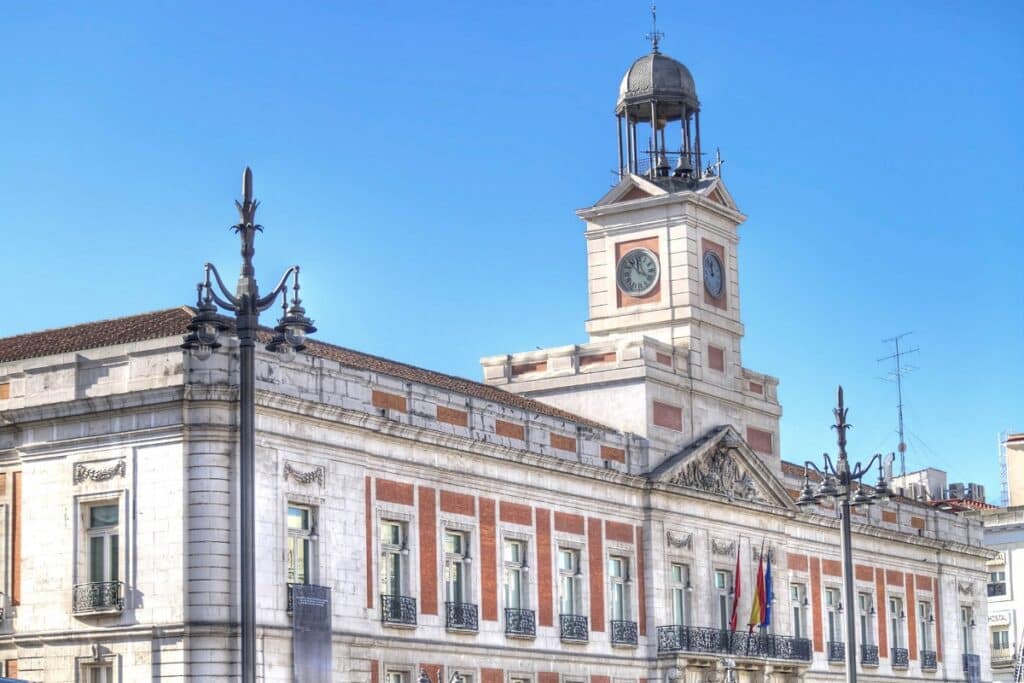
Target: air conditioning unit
{"points": [[956, 491]]}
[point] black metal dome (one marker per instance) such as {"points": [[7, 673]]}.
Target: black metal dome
{"points": [[657, 77]]}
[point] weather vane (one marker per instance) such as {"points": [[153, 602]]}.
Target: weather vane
{"points": [[655, 35]]}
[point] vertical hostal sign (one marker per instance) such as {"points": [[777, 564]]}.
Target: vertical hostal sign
{"points": [[311, 634]]}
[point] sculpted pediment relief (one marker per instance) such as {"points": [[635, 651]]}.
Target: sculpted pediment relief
{"points": [[722, 464]]}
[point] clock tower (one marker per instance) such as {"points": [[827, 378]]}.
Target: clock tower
{"points": [[664, 356]]}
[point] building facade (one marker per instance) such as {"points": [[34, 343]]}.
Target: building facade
{"points": [[588, 514], [1004, 533]]}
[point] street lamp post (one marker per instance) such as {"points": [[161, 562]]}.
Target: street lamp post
{"points": [[206, 327], [837, 483]]}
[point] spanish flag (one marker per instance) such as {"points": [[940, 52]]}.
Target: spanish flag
{"points": [[757, 606]]}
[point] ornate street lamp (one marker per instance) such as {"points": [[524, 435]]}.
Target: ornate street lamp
{"points": [[837, 483], [206, 327]]}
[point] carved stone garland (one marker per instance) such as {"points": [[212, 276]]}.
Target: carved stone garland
{"points": [[719, 473], [679, 540], [723, 548], [83, 472], [314, 475]]}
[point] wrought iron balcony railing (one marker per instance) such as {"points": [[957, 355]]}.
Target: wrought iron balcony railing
{"points": [[398, 609], [623, 632], [900, 657], [520, 623], [836, 651], [574, 627], [928, 660], [717, 641], [98, 596], [996, 589], [460, 616], [869, 655]]}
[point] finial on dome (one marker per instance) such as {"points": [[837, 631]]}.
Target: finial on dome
{"points": [[655, 35]]}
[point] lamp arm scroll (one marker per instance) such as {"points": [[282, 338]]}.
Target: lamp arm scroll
{"points": [[230, 301], [267, 301]]}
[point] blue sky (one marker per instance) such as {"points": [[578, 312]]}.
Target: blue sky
{"points": [[422, 163]]}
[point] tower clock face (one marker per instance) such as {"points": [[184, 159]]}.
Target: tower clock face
{"points": [[637, 272], [714, 280]]}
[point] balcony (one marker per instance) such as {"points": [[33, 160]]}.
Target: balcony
{"points": [[398, 610], [574, 628], [98, 596], [1001, 656], [869, 655], [520, 623], [836, 651], [900, 657], [928, 660], [623, 632], [697, 639], [996, 589], [460, 616]]}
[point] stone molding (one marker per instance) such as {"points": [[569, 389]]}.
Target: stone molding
{"points": [[723, 548], [679, 540], [719, 473], [317, 474]]}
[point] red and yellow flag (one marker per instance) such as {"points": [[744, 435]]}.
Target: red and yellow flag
{"points": [[757, 605]]}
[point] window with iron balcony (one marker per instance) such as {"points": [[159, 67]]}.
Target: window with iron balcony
{"points": [[520, 621], [103, 590], [624, 629], [573, 626], [396, 607], [460, 611], [300, 548]]}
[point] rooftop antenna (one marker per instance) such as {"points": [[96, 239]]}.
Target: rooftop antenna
{"points": [[717, 166], [655, 35], [896, 375]]}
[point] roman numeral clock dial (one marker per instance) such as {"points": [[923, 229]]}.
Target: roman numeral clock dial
{"points": [[713, 278], [637, 272]]}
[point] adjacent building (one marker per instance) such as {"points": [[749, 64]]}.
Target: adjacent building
{"points": [[592, 513]]}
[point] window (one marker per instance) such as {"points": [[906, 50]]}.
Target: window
{"points": [[514, 556], [896, 616], [299, 542], [618, 575], [723, 584], [104, 539], [865, 612], [396, 676], [392, 546], [798, 601], [456, 556], [98, 673], [997, 577], [1001, 639], [834, 606], [966, 626], [569, 601], [925, 619], [679, 580]]}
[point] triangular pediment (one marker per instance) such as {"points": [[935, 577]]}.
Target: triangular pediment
{"points": [[717, 192], [722, 464], [629, 188]]}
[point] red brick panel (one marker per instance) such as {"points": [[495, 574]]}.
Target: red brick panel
{"points": [[545, 589], [433, 672], [924, 583], [759, 440], [917, 522], [911, 617], [796, 562], [819, 643], [889, 517], [510, 430], [570, 524], [616, 531], [488, 561], [938, 619], [883, 636], [863, 572], [514, 513], [524, 368], [492, 676], [374, 671], [716, 358], [16, 540], [547, 677], [669, 417], [597, 358], [641, 582], [459, 418], [3, 483], [394, 492], [368, 512], [12, 667], [428, 551], [893, 577], [757, 387], [831, 568], [595, 558], [612, 453], [458, 503], [600, 679], [663, 358], [563, 443], [5, 390], [382, 399]]}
